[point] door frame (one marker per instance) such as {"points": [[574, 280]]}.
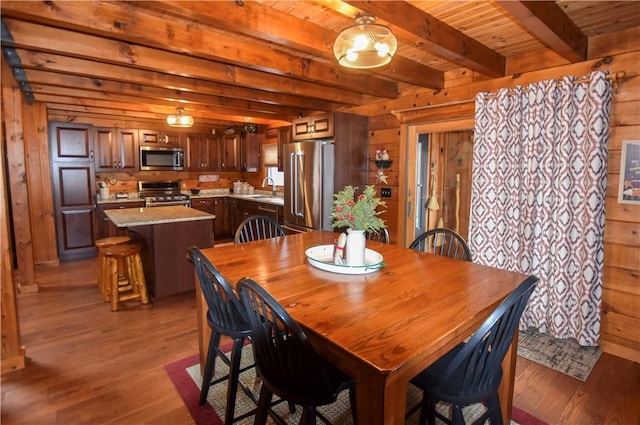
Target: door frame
{"points": [[407, 175]]}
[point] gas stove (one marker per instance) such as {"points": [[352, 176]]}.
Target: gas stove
{"points": [[162, 193]]}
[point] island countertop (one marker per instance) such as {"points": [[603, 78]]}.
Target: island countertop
{"points": [[129, 217]]}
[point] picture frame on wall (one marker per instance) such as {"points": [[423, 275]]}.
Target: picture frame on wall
{"points": [[629, 186]]}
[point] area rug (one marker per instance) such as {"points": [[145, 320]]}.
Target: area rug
{"points": [[185, 375], [563, 355]]}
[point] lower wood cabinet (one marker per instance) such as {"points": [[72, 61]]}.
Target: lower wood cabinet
{"points": [[217, 207], [241, 209], [104, 227]]}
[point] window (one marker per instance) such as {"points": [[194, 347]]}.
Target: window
{"points": [[277, 176]]}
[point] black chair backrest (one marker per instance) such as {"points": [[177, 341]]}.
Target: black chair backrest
{"points": [[381, 235], [258, 227], [225, 309], [480, 359], [286, 360], [444, 242]]}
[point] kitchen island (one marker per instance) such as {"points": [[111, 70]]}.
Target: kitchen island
{"points": [[165, 234]]}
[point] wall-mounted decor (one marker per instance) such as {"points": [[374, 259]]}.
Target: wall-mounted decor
{"points": [[629, 192]]}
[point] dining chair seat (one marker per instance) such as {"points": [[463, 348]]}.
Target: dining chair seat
{"points": [[225, 316], [287, 363]]}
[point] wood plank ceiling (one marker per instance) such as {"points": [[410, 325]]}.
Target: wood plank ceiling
{"points": [[233, 62]]}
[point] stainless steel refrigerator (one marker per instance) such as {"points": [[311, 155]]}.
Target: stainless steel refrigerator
{"points": [[309, 184]]}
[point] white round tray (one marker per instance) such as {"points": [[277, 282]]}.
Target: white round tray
{"points": [[321, 257]]}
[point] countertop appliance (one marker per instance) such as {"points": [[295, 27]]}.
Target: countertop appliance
{"points": [[162, 193], [309, 184]]}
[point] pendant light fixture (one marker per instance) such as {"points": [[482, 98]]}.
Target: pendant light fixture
{"points": [[180, 120], [365, 44]]}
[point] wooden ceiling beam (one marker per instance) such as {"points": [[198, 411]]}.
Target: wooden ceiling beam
{"points": [[259, 21], [97, 70], [125, 22], [434, 36], [41, 90], [111, 88], [67, 43], [546, 21], [134, 110]]}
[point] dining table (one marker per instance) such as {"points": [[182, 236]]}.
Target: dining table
{"points": [[381, 325]]}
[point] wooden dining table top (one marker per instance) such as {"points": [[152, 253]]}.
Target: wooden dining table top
{"points": [[382, 327]]}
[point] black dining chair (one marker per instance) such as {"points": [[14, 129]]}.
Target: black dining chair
{"points": [[444, 242], [258, 227], [286, 361], [381, 235], [472, 371], [225, 316]]}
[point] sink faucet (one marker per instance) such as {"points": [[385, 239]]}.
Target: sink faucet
{"points": [[273, 185]]}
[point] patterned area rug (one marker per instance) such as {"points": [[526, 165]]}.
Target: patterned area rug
{"points": [[563, 355], [185, 374]]}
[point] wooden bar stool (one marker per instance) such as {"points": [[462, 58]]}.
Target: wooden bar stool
{"points": [[133, 286], [101, 244]]}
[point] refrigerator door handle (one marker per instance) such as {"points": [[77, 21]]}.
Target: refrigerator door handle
{"points": [[293, 188], [300, 196]]}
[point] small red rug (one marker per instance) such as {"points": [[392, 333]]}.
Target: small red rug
{"points": [[190, 393]]}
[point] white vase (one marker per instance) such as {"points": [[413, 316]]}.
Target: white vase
{"points": [[355, 247], [104, 193]]}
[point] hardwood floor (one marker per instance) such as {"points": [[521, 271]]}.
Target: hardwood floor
{"points": [[88, 365]]}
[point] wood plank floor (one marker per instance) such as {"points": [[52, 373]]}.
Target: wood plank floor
{"points": [[87, 365]]}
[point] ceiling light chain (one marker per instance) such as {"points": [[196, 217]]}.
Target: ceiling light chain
{"points": [[365, 44], [180, 120]]}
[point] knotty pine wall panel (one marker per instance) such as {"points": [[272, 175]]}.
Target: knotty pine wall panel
{"points": [[620, 325]]}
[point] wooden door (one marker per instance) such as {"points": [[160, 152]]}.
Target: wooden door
{"points": [[284, 137], [127, 150], [73, 180], [230, 153], [105, 150], [251, 152]]}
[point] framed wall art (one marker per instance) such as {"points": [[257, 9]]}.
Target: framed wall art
{"points": [[629, 186]]}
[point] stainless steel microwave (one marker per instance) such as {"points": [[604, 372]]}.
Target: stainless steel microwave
{"points": [[157, 158]]}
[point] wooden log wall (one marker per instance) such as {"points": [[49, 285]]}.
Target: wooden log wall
{"points": [[620, 325], [12, 353]]}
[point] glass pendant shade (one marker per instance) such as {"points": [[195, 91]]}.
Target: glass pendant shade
{"points": [[365, 45], [180, 120]]}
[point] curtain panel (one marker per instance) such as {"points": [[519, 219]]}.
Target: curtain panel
{"points": [[538, 196]]}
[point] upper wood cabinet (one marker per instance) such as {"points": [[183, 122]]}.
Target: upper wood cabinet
{"points": [[203, 152], [279, 136], [252, 152], [314, 127], [230, 152], [116, 149], [160, 137]]}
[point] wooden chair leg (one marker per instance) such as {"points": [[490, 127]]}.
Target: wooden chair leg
{"points": [[141, 282], [113, 282]]}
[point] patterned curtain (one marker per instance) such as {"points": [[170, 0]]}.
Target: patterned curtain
{"points": [[538, 194]]}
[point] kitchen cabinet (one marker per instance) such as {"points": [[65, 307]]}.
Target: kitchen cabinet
{"points": [[241, 209], [202, 152], [230, 152], [251, 152], [279, 136], [74, 186], [218, 207], [116, 149], [160, 137], [104, 227], [318, 126]]}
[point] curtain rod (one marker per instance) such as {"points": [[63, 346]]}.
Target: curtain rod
{"points": [[613, 76]]}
